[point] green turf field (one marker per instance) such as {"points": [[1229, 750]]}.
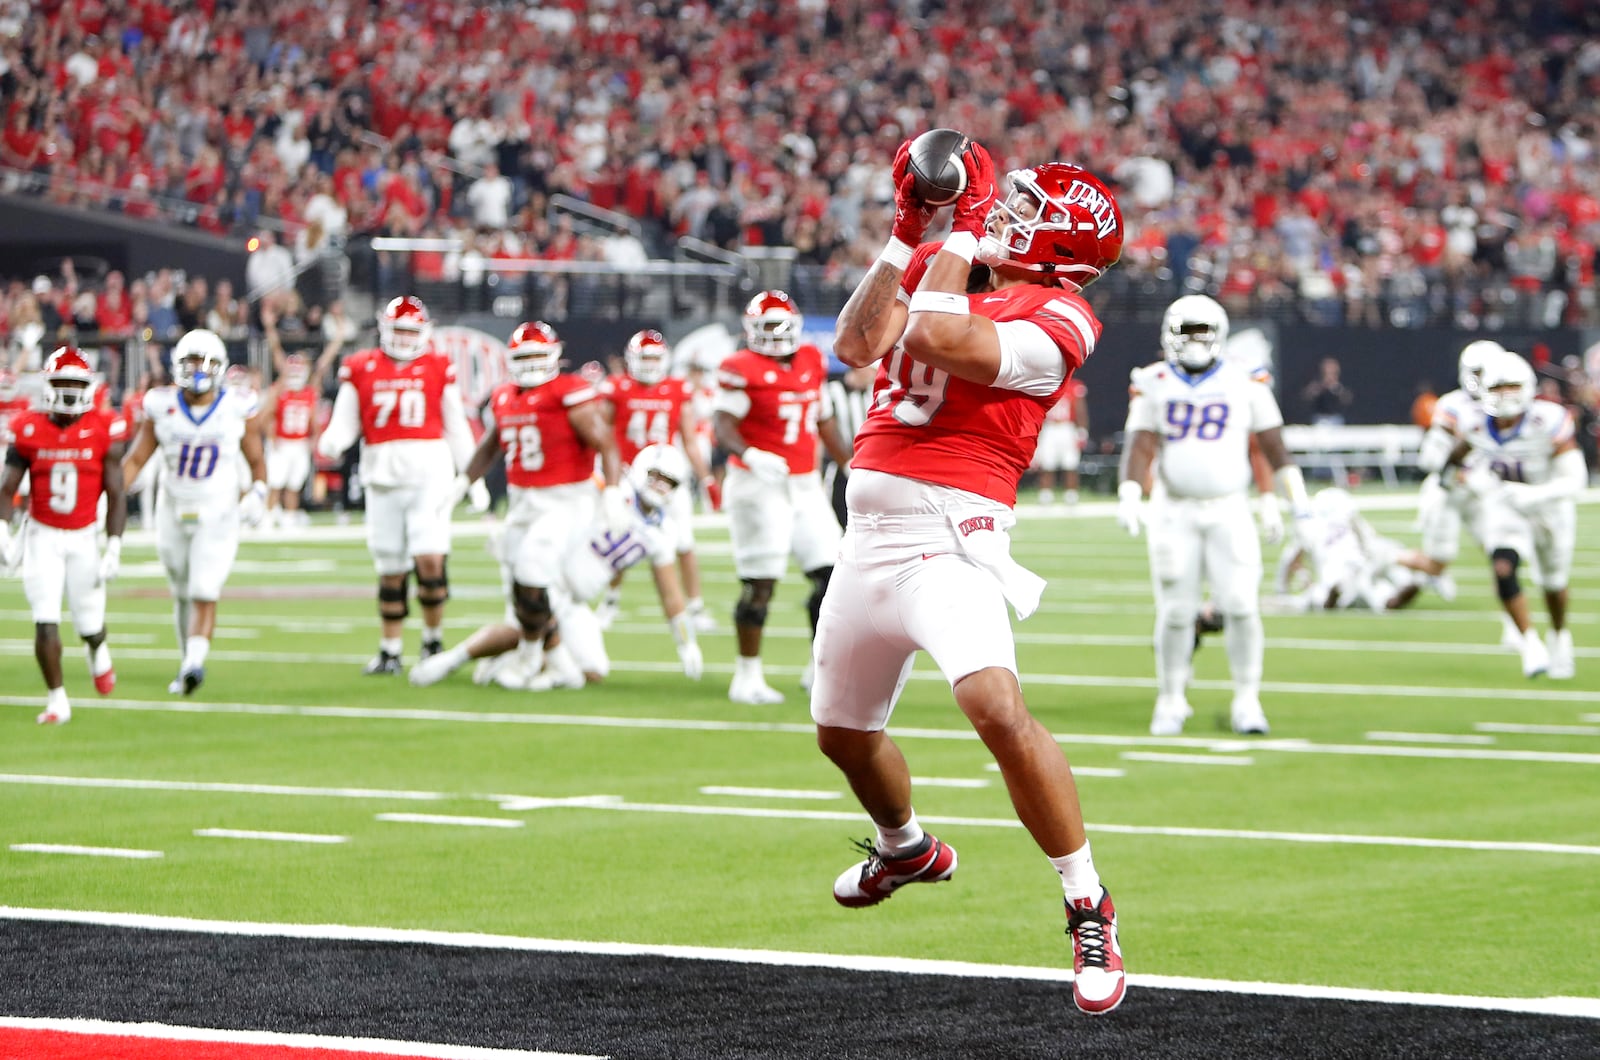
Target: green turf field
{"points": [[1421, 819]]}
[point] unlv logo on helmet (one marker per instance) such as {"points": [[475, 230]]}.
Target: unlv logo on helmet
{"points": [[1097, 203], [1056, 219]]}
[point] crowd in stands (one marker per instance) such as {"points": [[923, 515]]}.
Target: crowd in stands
{"points": [[1389, 162]]}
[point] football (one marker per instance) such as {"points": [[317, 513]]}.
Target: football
{"points": [[936, 166]]}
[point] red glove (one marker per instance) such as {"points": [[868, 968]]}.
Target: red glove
{"points": [[972, 206], [911, 216]]}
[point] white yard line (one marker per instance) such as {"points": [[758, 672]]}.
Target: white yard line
{"points": [[271, 837], [1584, 1007], [768, 793], [1430, 737], [87, 852], [1188, 760], [448, 819]]}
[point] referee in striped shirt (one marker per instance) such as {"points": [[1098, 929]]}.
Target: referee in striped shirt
{"points": [[845, 396]]}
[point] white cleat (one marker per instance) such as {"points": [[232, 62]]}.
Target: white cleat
{"points": [[1535, 656], [1559, 645], [756, 693], [553, 679], [55, 716], [1510, 636], [1247, 716], [1171, 712], [431, 671]]}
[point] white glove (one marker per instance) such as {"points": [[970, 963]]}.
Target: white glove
{"points": [[1271, 520], [460, 486], [253, 506], [768, 467], [615, 512], [693, 664], [1521, 497], [478, 498], [1130, 506], [111, 560], [1431, 499]]}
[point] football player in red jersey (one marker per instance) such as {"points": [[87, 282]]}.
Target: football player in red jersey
{"points": [[548, 428], [963, 385], [769, 415], [1061, 440], [402, 401], [71, 452], [290, 411], [646, 407]]}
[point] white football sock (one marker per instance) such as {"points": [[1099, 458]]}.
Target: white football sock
{"points": [[99, 659], [748, 668], [1247, 644], [1078, 876], [899, 840], [391, 646]]}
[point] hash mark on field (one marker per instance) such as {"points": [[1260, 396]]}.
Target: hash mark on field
{"points": [[951, 782], [1189, 760], [462, 822], [1429, 737], [88, 852], [1538, 730], [768, 793], [276, 837], [1077, 770]]}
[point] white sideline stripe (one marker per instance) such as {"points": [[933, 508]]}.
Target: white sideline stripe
{"points": [[276, 837], [764, 793], [448, 819], [1538, 730], [106, 1028], [1189, 760], [1429, 737], [1219, 745], [1585, 1007], [88, 852]]}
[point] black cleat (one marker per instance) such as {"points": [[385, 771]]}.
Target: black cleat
{"points": [[430, 648], [382, 663]]}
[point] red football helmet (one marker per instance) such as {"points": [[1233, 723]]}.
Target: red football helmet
{"points": [[533, 354], [648, 357], [1056, 219], [404, 328], [772, 324], [296, 371], [69, 382]]}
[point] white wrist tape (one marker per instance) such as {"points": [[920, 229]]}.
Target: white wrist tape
{"points": [[896, 254], [1130, 490], [940, 302], [962, 244]]}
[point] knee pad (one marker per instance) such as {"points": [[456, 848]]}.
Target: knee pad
{"points": [[432, 592], [532, 605], [1506, 584], [392, 602], [747, 612], [819, 589]]}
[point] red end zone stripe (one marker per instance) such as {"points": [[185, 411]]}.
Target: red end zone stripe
{"points": [[61, 1045], [69, 1039]]}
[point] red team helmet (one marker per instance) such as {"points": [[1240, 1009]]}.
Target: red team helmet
{"points": [[533, 354], [296, 371], [69, 382], [1056, 219], [404, 328], [772, 324], [648, 357]]}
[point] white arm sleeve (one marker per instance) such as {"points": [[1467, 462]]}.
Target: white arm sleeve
{"points": [[1568, 476], [344, 425], [735, 403], [1030, 361], [457, 432], [1141, 411], [1437, 445]]}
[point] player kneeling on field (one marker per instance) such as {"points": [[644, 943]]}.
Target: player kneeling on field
{"points": [[71, 453], [577, 575]]}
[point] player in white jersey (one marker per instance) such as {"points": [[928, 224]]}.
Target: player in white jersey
{"points": [[201, 429], [572, 577], [1443, 506], [1350, 563], [1520, 457], [1197, 412]]}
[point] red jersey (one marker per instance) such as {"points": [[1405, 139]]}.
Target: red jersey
{"points": [[645, 415], [928, 425], [399, 400], [784, 399], [66, 465], [295, 413], [1064, 411], [536, 434]]}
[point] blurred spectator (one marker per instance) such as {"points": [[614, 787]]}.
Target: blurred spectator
{"points": [[1325, 397], [490, 198], [269, 272]]}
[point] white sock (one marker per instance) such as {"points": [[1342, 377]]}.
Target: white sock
{"points": [[433, 634], [391, 645], [99, 659], [456, 657], [56, 701], [1046, 496], [899, 840], [748, 668], [1078, 877], [195, 651], [1247, 644]]}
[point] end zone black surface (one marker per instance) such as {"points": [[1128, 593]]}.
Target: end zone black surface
{"points": [[634, 1008]]}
